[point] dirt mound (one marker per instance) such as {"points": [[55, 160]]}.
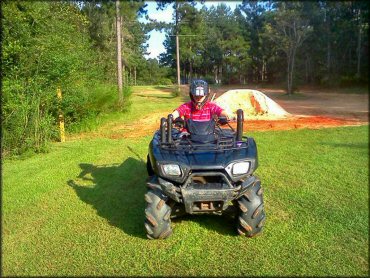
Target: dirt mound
{"points": [[256, 105]]}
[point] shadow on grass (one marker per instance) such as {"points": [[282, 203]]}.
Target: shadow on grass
{"points": [[116, 192]]}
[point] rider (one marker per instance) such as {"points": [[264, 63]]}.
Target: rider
{"points": [[199, 108]]}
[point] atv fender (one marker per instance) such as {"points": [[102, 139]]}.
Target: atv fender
{"points": [[246, 184], [166, 187]]}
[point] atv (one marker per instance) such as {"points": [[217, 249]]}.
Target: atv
{"points": [[207, 169]]}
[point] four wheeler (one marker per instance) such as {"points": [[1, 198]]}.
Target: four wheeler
{"points": [[208, 169]]}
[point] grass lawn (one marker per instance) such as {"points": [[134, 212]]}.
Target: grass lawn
{"points": [[79, 210]]}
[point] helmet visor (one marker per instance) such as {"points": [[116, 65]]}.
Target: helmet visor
{"points": [[199, 91]]}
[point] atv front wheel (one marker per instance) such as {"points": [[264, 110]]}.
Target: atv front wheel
{"points": [[157, 213], [251, 211]]}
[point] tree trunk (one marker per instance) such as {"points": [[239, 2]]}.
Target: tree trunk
{"points": [[263, 70], [220, 71], [328, 58], [135, 76], [328, 46], [289, 87], [292, 72], [124, 74], [289, 70], [215, 71], [358, 73], [191, 70], [119, 54], [306, 69], [288, 75], [177, 49]]}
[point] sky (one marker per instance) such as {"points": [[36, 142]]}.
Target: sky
{"points": [[156, 37]]}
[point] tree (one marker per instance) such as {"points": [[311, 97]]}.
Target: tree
{"points": [[119, 53], [191, 35], [259, 50], [45, 45], [288, 30], [162, 5]]}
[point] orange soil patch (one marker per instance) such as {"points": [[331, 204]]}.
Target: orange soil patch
{"points": [[311, 122], [295, 122], [149, 125], [256, 105]]}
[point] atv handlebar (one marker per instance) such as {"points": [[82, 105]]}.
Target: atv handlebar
{"points": [[179, 122], [239, 124], [166, 125]]}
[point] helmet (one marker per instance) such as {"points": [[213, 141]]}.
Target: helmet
{"points": [[198, 87]]}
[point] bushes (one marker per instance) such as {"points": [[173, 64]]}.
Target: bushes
{"points": [[27, 121], [210, 79], [81, 115], [348, 81], [46, 45], [151, 73]]}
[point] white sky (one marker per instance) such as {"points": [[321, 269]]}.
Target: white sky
{"points": [[157, 38]]}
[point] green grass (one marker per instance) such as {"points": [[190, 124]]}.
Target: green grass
{"points": [[79, 210]]}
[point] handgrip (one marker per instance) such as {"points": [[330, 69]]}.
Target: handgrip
{"points": [[169, 128], [163, 130], [239, 127]]}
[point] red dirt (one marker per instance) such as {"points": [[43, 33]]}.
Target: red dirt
{"points": [[313, 122], [256, 105]]}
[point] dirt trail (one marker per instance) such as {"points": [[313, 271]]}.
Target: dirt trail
{"points": [[337, 105], [309, 109]]}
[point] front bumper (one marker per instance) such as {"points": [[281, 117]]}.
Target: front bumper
{"points": [[202, 200]]}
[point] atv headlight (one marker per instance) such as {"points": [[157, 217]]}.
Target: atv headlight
{"points": [[171, 170], [240, 168]]}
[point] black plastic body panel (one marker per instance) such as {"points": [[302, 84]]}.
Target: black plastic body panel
{"points": [[206, 183], [201, 160]]}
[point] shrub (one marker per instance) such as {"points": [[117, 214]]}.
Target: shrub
{"points": [[40, 53]]}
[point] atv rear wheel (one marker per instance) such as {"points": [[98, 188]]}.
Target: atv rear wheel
{"points": [[157, 213], [251, 211]]}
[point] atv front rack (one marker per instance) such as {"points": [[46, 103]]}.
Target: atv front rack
{"points": [[220, 144], [170, 140]]}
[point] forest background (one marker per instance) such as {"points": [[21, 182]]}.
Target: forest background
{"points": [[72, 45]]}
